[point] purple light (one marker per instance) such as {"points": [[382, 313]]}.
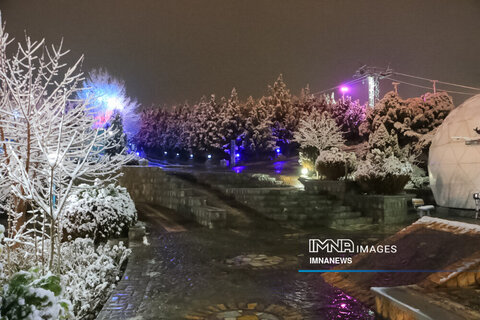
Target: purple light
{"points": [[238, 169], [344, 89], [343, 305]]}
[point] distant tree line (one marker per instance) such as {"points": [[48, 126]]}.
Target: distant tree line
{"points": [[261, 126]]}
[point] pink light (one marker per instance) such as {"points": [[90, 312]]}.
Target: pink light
{"points": [[344, 89]]}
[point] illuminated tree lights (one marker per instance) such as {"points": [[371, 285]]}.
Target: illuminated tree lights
{"points": [[106, 95]]}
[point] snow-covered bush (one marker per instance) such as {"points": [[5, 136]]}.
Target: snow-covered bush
{"points": [[418, 179], [99, 212], [383, 174], [335, 163], [411, 119], [387, 167], [30, 295], [261, 179], [89, 274]]}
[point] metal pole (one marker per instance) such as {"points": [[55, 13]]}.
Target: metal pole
{"points": [[233, 159], [395, 86]]}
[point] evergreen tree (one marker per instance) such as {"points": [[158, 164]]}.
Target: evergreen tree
{"points": [[259, 139], [283, 116], [118, 137]]}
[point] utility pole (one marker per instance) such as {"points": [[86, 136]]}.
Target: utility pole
{"points": [[373, 74], [395, 86], [434, 85]]}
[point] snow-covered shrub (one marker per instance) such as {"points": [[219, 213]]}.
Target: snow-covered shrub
{"points": [[30, 295], [89, 274], [335, 163], [383, 174], [99, 212], [411, 119], [418, 179], [262, 179]]}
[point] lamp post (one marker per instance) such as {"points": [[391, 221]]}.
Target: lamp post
{"points": [[343, 90]]}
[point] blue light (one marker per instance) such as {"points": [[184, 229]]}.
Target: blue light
{"points": [[178, 154], [191, 156], [209, 156], [238, 169], [165, 152], [138, 154], [237, 155], [278, 150]]}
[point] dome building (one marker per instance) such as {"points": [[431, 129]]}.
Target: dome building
{"points": [[454, 157]]}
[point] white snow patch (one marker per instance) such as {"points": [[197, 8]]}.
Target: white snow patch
{"points": [[145, 241], [460, 227]]}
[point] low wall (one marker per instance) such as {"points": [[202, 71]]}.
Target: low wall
{"points": [[337, 188], [154, 186], [384, 209]]}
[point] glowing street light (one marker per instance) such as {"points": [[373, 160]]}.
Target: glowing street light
{"points": [[304, 171], [343, 90]]}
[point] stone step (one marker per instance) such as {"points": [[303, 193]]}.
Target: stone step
{"points": [[209, 216], [349, 222], [345, 215]]}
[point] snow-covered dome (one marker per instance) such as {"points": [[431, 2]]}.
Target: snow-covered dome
{"points": [[454, 158]]}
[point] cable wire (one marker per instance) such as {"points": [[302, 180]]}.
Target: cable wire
{"points": [[431, 80], [430, 88]]}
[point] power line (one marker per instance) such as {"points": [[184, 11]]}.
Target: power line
{"points": [[424, 87], [426, 79]]}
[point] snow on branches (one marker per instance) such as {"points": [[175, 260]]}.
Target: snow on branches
{"points": [[319, 131], [48, 137]]}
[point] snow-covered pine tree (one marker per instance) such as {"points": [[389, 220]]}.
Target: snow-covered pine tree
{"points": [[259, 139], [117, 138], [233, 117], [283, 116], [349, 115]]}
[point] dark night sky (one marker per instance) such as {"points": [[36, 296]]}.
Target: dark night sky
{"points": [[174, 50]]}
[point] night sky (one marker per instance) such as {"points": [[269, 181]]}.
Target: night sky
{"points": [[170, 51]]}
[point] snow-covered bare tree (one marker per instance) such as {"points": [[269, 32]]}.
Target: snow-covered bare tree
{"points": [[320, 132], [49, 141]]}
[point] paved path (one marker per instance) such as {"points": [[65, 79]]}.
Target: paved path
{"points": [[182, 270]]}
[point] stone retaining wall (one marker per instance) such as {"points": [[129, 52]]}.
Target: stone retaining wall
{"points": [[154, 186], [384, 209]]}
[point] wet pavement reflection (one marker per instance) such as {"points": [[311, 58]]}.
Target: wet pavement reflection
{"points": [[181, 272]]}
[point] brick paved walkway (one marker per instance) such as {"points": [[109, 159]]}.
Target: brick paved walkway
{"points": [[176, 274]]}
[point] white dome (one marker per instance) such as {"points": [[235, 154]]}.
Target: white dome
{"points": [[454, 158]]}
